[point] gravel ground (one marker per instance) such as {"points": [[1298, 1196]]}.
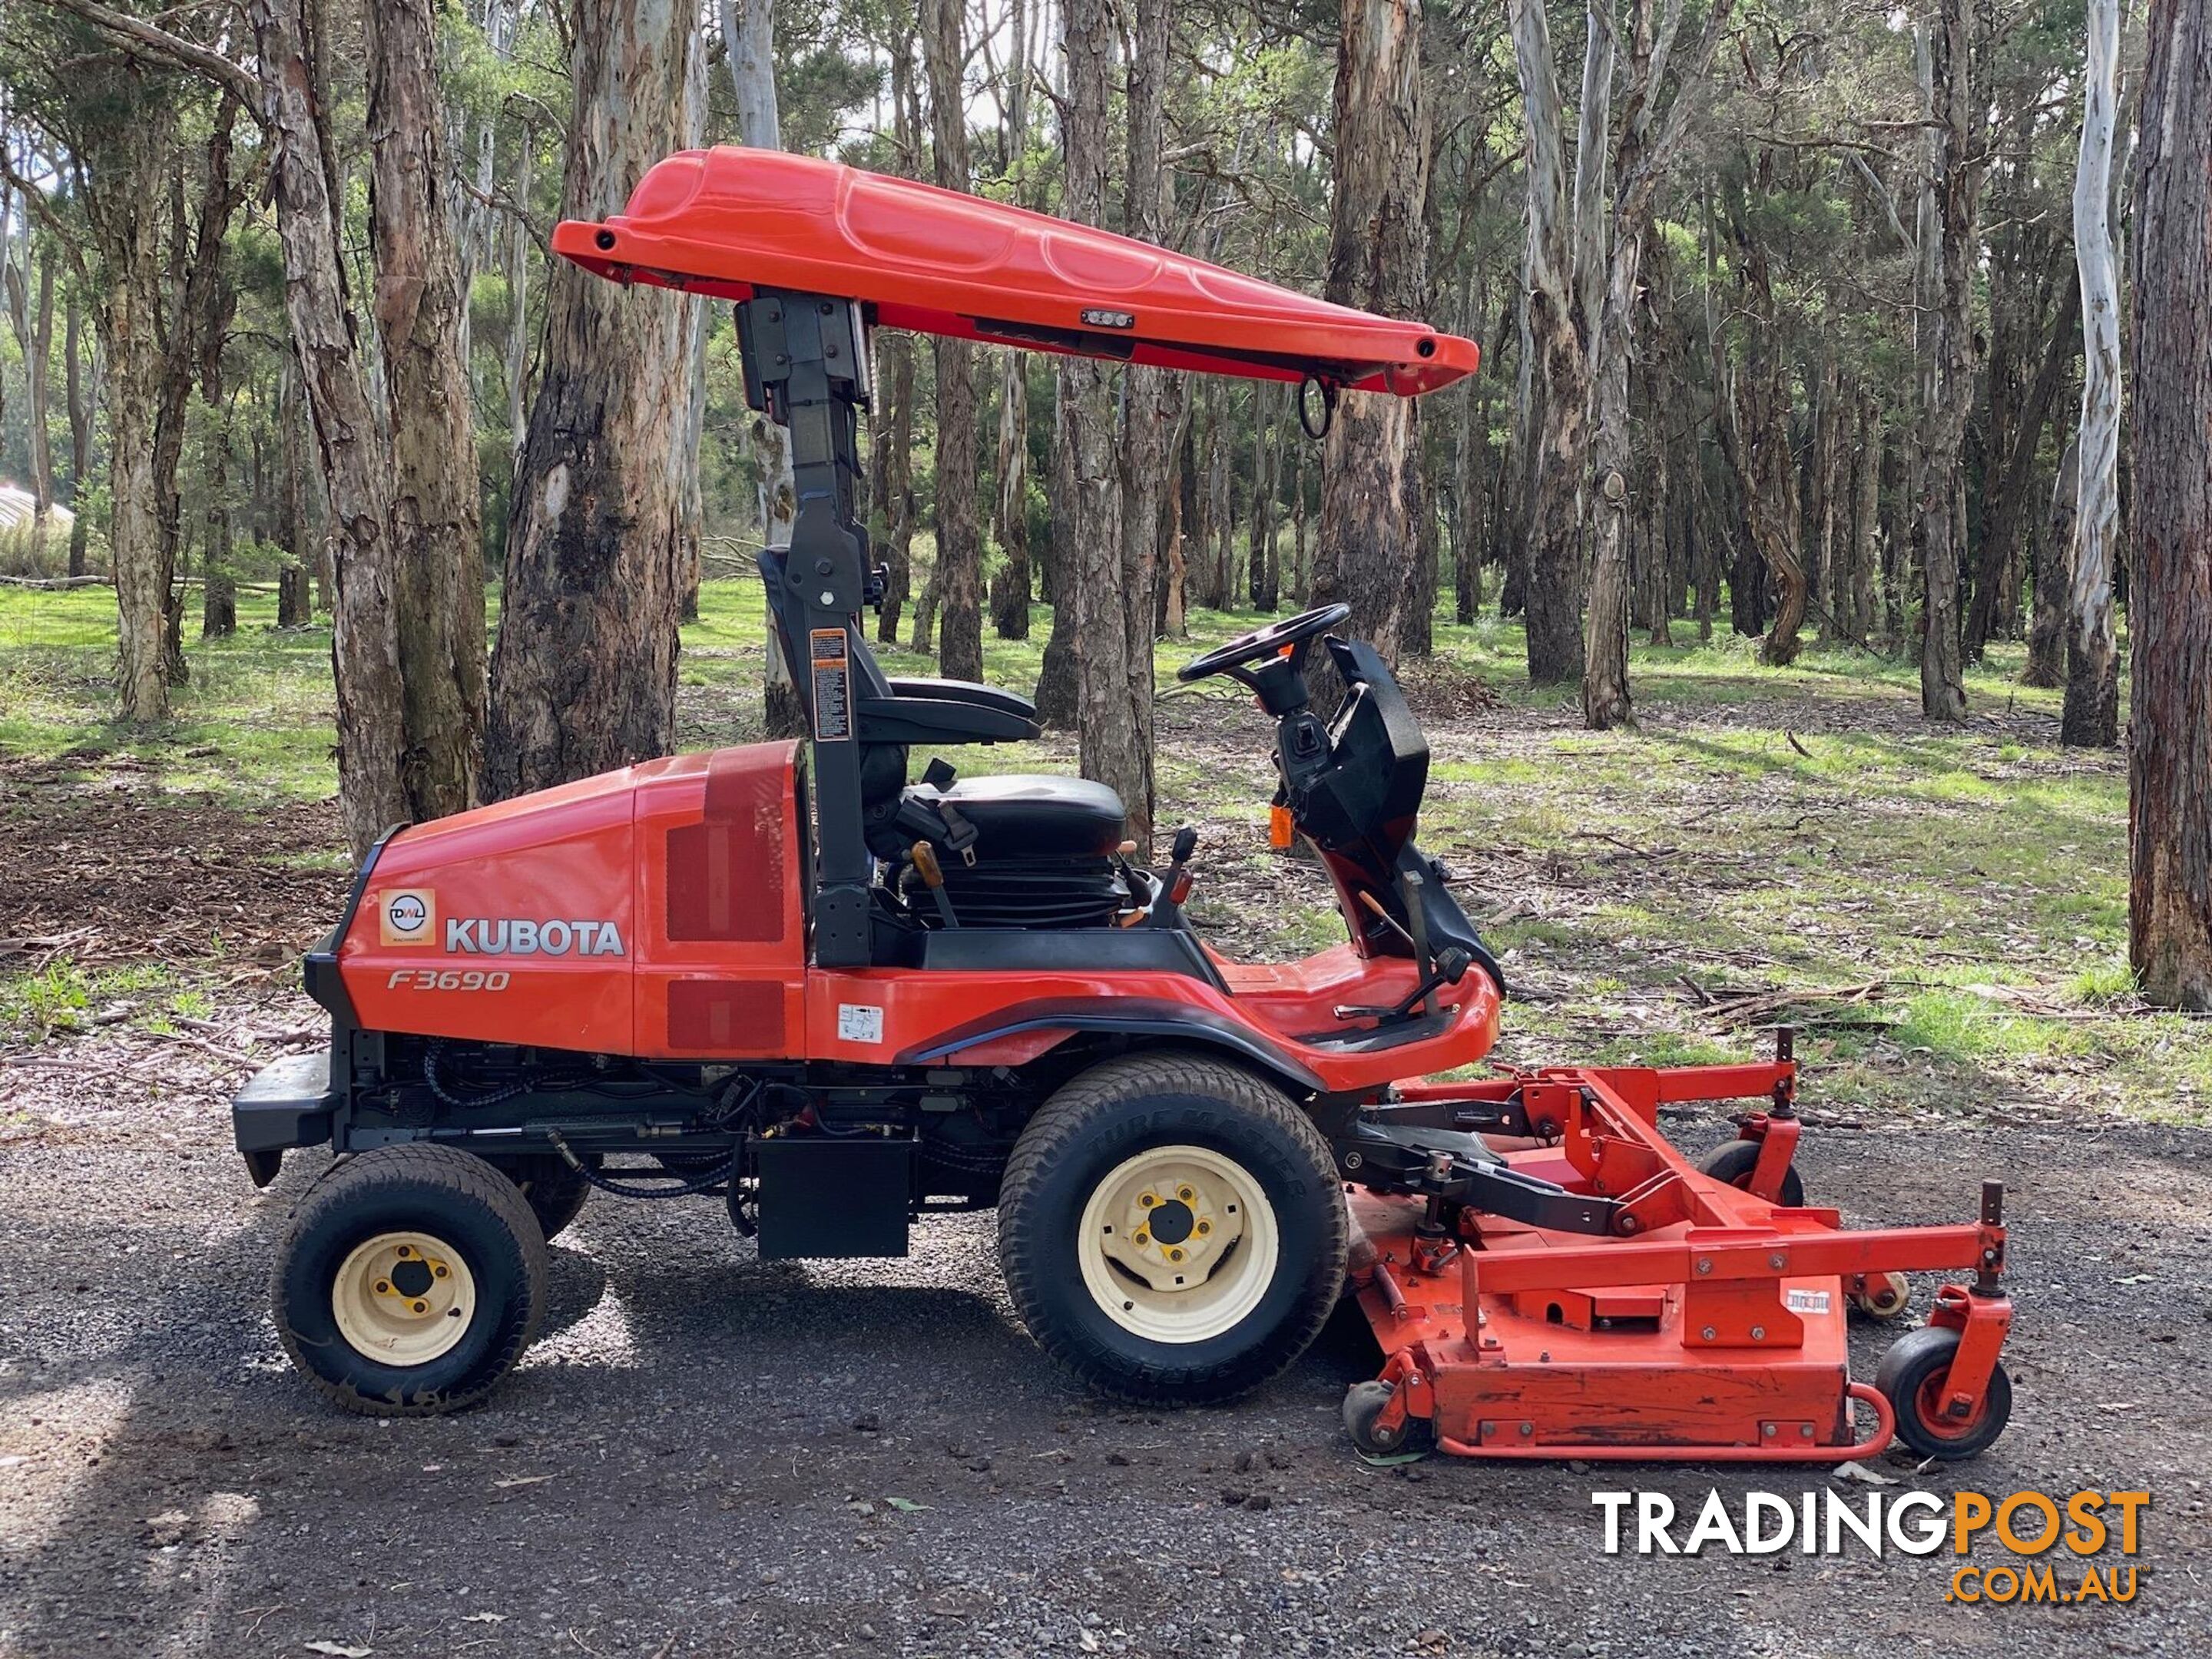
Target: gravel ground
{"points": [[707, 1454]]}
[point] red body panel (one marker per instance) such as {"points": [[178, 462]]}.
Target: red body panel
{"points": [[727, 221], [656, 912]]}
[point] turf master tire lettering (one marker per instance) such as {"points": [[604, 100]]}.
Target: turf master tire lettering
{"points": [[1198, 1124], [398, 1214], [1912, 1374]]}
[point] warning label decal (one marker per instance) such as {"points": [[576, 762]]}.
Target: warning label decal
{"points": [[833, 684]]}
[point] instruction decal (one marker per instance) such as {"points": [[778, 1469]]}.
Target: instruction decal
{"points": [[833, 684], [1810, 1302], [858, 1023]]}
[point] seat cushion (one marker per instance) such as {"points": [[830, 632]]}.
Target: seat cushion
{"points": [[1034, 818]]}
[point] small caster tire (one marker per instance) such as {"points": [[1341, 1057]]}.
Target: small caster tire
{"points": [[409, 1282], [1888, 1297], [1912, 1375], [1363, 1407], [553, 1192], [1732, 1162]]}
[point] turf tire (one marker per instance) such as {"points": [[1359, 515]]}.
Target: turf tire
{"points": [[453, 1195], [1114, 1112]]}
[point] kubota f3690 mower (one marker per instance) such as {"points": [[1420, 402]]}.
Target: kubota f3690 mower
{"points": [[843, 999]]}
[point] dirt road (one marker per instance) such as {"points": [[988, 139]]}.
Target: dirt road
{"points": [[707, 1454]]}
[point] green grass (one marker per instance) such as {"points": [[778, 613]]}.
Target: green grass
{"points": [[62, 996], [1763, 829]]}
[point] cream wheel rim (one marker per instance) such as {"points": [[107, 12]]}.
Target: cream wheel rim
{"points": [[1178, 1243], [404, 1298]]}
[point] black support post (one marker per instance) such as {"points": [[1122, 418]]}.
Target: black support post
{"points": [[806, 364]]}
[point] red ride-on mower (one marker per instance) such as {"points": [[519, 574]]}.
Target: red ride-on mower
{"points": [[841, 999]]}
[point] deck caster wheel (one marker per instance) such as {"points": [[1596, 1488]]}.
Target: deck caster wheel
{"points": [[1363, 1406], [1733, 1161], [1885, 1297], [1912, 1375], [411, 1281], [1171, 1229]]}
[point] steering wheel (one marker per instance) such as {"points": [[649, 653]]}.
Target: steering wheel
{"points": [[1263, 643]]}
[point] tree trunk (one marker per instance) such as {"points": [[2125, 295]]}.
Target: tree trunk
{"points": [[81, 378], [356, 465], [521, 253], [2016, 468], [749, 44], [438, 591], [1368, 547], [293, 531], [1605, 696], [1559, 328], [1111, 742], [218, 581], [2170, 595], [891, 497], [1150, 410], [1010, 586], [2092, 716], [959, 533], [36, 334], [584, 676], [124, 210], [1866, 515], [1949, 352], [2054, 555]]}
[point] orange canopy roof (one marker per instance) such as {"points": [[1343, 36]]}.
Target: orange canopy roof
{"points": [[725, 221]]}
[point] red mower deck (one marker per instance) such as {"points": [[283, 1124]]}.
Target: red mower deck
{"points": [[1709, 1326]]}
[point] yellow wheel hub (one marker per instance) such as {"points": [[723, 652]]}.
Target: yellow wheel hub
{"points": [[404, 1298], [1178, 1243]]}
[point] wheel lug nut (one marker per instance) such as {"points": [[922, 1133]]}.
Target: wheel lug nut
{"points": [[422, 1307], [1147, 1201], [440, 1272], [1204, 1228], [1184, 1193]]}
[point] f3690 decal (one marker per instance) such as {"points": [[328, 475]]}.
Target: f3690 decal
{"points": [[448, 979]]}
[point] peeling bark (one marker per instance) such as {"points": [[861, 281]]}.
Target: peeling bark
{"points": [[584, 675]]}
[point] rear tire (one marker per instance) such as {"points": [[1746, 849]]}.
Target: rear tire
{"points": [[1172, 1228], [411, 1281]]}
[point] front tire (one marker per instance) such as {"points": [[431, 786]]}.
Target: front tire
{"points": [[411, 1281], [1172, 1228]]}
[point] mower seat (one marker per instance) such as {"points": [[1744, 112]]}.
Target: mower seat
{"points": [[1034, 817]]}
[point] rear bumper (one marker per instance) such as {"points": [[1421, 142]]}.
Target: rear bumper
{"points": [[287, 1104]]}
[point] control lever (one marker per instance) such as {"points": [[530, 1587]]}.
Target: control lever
{"points": [[933, 877], [1175, 889], [1450, 967]]}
